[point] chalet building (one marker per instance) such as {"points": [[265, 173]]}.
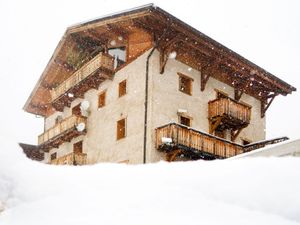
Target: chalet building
{"points": [[142, 86]]}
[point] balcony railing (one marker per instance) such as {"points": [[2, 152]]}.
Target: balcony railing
{"points": [[88, 76], [70, 159], [61, 132], [237, 112], [194, 143]]}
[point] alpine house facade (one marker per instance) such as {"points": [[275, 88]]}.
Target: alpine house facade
{"points": [[142, 86]]}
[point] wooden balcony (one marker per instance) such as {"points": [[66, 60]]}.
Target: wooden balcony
{"points": [[64, 131], [70, 159], [226, 113], [193, 144], [88, 76]]}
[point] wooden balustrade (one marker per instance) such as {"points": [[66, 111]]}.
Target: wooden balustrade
{"points": [[195, 142], [230, 108], [88, 76], [62, 131], [70, 159]]}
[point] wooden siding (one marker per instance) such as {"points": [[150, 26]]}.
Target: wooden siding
{"points": [[197, 141], [60, 129], [71, 159], [91, 74], [230, 108]]}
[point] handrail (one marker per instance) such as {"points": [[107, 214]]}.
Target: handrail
{"points": [[70, 159], [181, 135], [197, 140], [101, 60], [60, 127]]}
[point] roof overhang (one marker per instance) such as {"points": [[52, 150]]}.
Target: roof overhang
{"points": [[170, 34]]}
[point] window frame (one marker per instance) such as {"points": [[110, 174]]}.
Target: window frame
{"points": [[119, 135], [189, 90], [104, 99], [185, 117], [120, 92]]}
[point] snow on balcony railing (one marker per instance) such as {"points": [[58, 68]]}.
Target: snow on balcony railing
{"points": [[102, 60], [66, 124]]}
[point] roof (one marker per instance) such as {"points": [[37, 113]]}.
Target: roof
{"points": [[193, 48]]}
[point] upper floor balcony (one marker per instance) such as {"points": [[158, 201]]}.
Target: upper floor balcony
{"points": [[64, 131], [226, 113], [90, 75]]}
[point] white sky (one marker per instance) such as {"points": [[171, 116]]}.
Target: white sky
{"points": [[265, 32]]}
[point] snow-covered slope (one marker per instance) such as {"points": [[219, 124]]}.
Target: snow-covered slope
{"points": [[244, 191]]}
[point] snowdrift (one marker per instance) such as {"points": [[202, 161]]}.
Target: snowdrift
{"points": [[244, 191]]}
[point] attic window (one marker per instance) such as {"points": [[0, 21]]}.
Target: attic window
{"points": [[119, 55], [185, 84]]}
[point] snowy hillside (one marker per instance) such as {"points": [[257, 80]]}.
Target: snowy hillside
{"points": [[245, 191]]}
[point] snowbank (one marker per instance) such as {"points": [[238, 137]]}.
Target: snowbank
{"points": [[245, 191]]}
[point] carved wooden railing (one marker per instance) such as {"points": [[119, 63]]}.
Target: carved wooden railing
{"points": [[185, 137], [102, 60], [60, 128], [70, 159], [230, 108]]}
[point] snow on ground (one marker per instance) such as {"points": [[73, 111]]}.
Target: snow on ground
{"points": [[244, 191]]}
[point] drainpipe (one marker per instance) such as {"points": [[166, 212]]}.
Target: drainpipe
{"points": [[146, 95]]}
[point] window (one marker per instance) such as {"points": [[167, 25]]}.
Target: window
{"points": [[185, 121], [101, 99], [53, 156], [185, 84], [77, 147], [122, 88], [121, 129]]}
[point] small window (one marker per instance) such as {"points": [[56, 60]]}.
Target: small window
{"points": [[185, 121], [122, 88], [53, 156], [185, 84], [101, 99], [77, 147], [121, 129]]}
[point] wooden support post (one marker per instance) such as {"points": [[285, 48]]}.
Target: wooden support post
{"points": [[235, 133], [204, 79], [172, 155], [266, 102], [237, 94], [214, 124], [163, 58]]}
